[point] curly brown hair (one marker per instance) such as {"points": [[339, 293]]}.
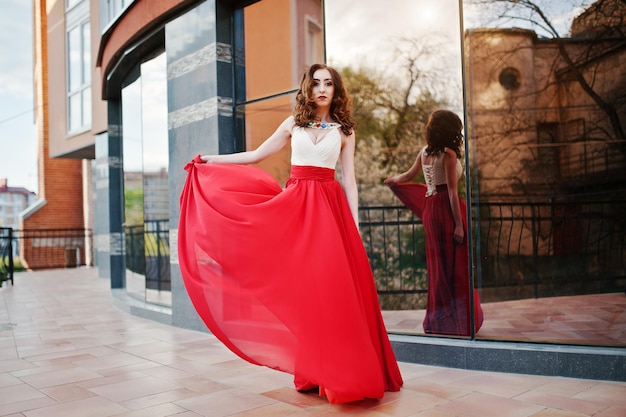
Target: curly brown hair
{"points": [[443, 130], [340, 108]]}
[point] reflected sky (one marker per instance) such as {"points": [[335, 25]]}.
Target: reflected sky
{"points": [[481, 14], [367, 36]]}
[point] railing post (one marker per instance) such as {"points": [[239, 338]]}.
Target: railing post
{"points": [[11, 266], [535, 240]]}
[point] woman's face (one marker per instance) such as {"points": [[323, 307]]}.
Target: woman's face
{"points": [[323, 88]]}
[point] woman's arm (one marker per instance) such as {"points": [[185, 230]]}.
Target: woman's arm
{"points": [[348, 176], [452, 179], [269, 147], [408, 175]]}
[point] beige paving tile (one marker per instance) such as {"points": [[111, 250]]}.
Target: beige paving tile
{"points": [[68, 393], [609, 393], [19, 392], [158, 399], [550, 412], [59, 377], [200, 384], [407, 405], [499, 384], [559, 402], [423, 385], [273, 410], [114, 360], [135, 388], [7, 380], [8, 353], [22, 407], [224, 403], [12, 365], [484, 405], [162, 410], [262, 381], [297, 399], [112, 379], [430, 413], [95, 407], [612, 412]]}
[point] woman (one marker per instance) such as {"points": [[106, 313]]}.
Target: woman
{"points": [[443, 214], [281, 277]]}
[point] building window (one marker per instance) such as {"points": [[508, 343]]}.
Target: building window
{"points": [[314, 46], [71, 3], [79, 77], [115, 7], [510, 79]]}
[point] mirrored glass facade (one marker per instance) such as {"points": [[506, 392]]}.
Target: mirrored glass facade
{"points": [[146, 190], [542, 113]]}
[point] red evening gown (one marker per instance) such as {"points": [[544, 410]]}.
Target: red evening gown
{"points": [[281, 276], [447, 263]]}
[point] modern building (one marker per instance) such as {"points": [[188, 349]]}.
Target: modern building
{"points": [[13, 200], [129, 91]]}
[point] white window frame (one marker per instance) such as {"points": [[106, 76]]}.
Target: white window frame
{"points": [[78, 89]]}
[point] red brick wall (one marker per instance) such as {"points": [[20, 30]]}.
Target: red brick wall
{"points": [[60, 180]]}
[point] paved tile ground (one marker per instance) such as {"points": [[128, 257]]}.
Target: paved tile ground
{"points": [[592, 319], [67, 351]]}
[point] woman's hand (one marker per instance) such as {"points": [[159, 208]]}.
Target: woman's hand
{"points": [[459, 234], [392, 180], [207, 159]]}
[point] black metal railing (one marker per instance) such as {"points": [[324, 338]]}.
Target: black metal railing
{"points": [[148, 253], [395, 244], [522, 250], [526, 250], [551, 249], [53, 248], [6, 255]]}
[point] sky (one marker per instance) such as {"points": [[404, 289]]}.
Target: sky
{"points": [[18, 155]]}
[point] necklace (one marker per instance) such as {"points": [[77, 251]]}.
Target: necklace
{"points": [[320, 125]]}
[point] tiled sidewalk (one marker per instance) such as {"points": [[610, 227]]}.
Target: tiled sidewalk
{"points": [[67, 351]]}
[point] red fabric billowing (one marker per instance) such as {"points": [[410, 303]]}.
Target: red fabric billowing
{"points": [[281, 277], [448, 303]]}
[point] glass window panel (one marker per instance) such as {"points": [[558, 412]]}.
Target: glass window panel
{"points": [[132, 151], [270, 54], [86, 110], [72, 3], [400, 62], [74, 113], [155, 179], [547, 157], [314, 46], [74, 55], [86, 58]]}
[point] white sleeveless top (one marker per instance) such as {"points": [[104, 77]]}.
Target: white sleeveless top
{"points": [[305, 151], [435, 174]]}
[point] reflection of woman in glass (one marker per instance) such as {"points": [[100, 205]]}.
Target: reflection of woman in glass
{"points": [[281, 276], [443, 213]]}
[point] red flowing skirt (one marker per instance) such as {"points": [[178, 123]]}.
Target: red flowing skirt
{"points": [[281, 277], [447, 263]]}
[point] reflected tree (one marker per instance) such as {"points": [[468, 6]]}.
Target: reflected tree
{"points": [[391, 105], [582, 63]]}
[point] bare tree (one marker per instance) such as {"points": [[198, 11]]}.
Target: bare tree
{"points": [[597, 32], [391, 106]]}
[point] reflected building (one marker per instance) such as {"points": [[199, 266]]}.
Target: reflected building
{"points": [[546, 121]]}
